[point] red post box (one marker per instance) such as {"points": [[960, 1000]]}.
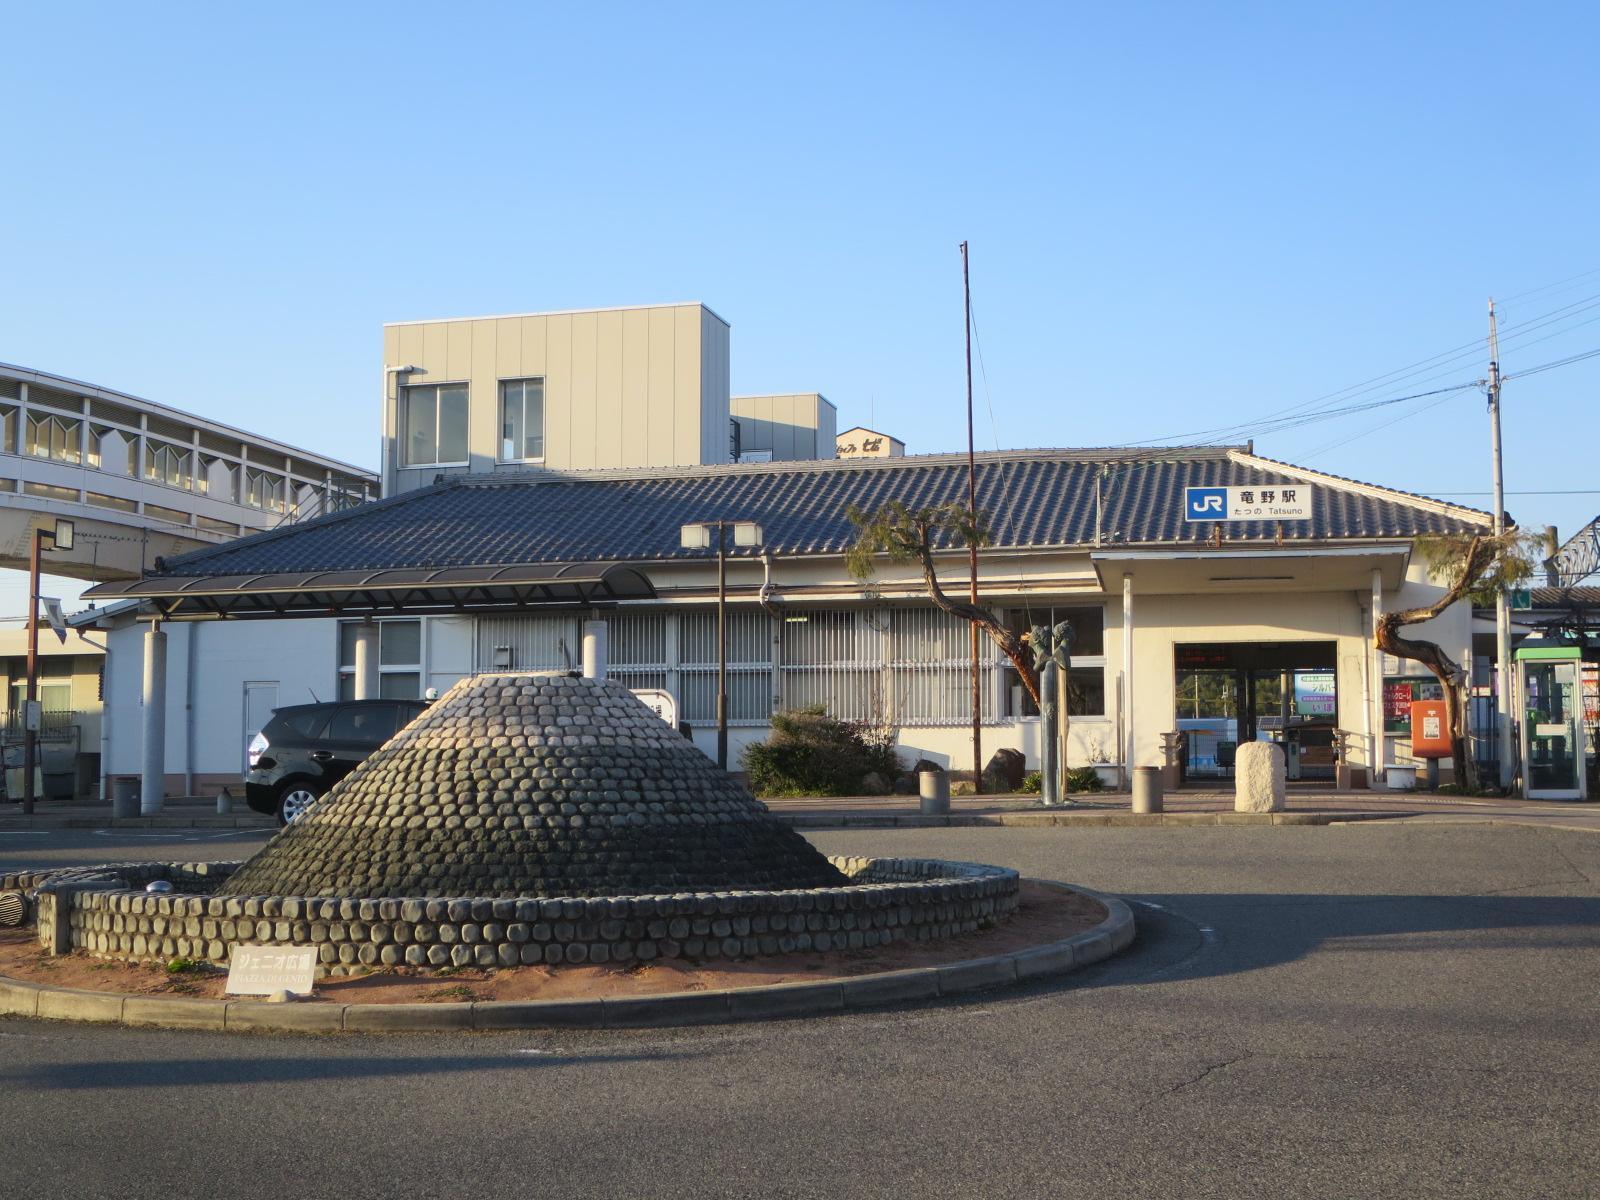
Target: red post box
{"points": [[1430, 729]]}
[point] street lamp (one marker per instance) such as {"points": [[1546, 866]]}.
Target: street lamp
{"points": [[697, 535], [60, 539]]}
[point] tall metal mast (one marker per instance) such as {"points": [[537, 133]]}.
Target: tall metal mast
{"points": [[972, 548]]}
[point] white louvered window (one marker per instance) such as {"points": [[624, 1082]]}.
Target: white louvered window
{"points": [[528, 643], [637, 649], [749, 666]]}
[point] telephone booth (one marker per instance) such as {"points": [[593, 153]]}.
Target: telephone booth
{"points": [[1550, 682]]}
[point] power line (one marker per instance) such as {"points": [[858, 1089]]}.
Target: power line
{"points": [[1364, 433], [1559, 492], [1551, 366], [1280, 424], [1548, 287], [1295, 415]]}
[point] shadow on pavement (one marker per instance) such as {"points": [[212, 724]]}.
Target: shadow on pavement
{"points": [[203, 1072], [1201, 935]]}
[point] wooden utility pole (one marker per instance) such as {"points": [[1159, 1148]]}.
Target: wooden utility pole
{"points": [[972, 546], [1502, 613]]}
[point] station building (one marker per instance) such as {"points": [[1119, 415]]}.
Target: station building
{"points": [[537, 470]]}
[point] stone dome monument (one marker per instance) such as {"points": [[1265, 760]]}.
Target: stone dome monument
{"points": [[534, 785]]}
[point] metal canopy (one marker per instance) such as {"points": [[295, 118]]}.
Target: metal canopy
{"points": [[396, 590]]}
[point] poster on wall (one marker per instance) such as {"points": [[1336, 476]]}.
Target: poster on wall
{"points": [[1314, 694], [1397, 697]]}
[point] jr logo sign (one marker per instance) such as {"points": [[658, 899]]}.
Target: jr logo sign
{"points": [[1205, 504]]}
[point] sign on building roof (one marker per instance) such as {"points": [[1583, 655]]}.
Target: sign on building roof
{"points": [[1274, 502]]}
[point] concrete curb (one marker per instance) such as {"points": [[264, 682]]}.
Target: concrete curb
{"points": [[1035, 819], [1049, 960], [17, 823]]}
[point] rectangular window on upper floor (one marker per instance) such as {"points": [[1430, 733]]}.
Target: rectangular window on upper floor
{"points": [[433, 426], [8, 420], [522, 420]]}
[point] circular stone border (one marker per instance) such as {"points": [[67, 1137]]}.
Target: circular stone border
{"points": [[103, 912], [1045, 961]]}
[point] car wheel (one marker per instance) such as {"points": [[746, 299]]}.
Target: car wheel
{"points": [[293, 801]]}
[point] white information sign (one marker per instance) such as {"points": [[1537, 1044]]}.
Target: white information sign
{"points": [[1274, 502], [660, 702], [262, 970]]}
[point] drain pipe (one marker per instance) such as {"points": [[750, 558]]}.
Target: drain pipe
{"points": [[191, 633], [774, 609], [769, 588]]}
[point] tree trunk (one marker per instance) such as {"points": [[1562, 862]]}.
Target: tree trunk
{"points": [[1451, 677], [1010, 644]]}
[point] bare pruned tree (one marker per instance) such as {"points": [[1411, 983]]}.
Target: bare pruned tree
{"points": [[1475, 566], [909, 535]]}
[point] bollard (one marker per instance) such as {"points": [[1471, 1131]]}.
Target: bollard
{"points": [[124, 797], [935, 791], [224, 803], [1147, 789]]}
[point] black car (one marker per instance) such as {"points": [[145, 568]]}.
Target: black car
{"points": [[307, 748]]}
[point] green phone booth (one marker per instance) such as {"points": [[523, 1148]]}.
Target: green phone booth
{"points": [[1549, 680]]}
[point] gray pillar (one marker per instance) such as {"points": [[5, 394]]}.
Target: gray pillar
{"points": [[1129, 756], [1377, 746], [367, 683], [596, 649], [154, 697]]}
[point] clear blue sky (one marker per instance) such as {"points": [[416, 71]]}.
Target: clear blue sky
{"points": [[1181, 216]]}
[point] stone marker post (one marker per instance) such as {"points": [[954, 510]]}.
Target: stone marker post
{"points": [[1050, 659]]}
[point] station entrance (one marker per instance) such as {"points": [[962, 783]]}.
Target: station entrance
{"points": [[1232, 692]]}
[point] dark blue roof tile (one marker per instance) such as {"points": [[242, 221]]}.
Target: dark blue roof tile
{"points": [[1039, 498]]}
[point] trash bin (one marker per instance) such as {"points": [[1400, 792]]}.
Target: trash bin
{"points": [[934, 787], [124, 797]]}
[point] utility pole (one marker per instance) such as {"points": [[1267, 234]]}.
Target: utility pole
{"points": [[1502, 613], [972, 546], [61, 538], [30, 735]]}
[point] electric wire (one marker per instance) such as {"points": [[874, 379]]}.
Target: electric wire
{"points": [[1508, 334], [1355, 437], [1272, 422], [1550, 286]]}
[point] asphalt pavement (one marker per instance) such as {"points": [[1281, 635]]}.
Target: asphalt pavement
{"points": [[1374, 1010]]}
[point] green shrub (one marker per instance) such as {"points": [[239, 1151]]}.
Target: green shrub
{"points": [[1079, 779], [813, 754], [1084, 779]]}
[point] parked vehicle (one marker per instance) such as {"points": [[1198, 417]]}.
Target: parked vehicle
{"points": [[307, 748]]}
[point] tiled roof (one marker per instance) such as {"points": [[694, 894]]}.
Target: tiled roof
{"points": [[1036, 498]]}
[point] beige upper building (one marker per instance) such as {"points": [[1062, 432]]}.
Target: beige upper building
{"points": [[615, 387], [784, 428]]}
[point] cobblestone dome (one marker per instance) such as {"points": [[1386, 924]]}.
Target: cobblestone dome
{"points": [[534, 785]]}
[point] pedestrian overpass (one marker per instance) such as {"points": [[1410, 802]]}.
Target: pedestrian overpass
{"points": [[142, 481]]}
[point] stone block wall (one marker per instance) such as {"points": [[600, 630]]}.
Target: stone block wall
{"points": [[887, 900]]}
